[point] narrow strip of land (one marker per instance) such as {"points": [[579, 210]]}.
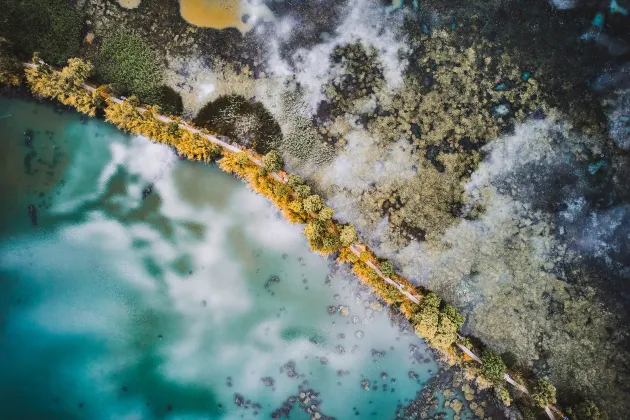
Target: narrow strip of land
{"points": [[354, 248]]}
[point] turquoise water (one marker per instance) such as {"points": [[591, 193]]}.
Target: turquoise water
{"points": [[125, 304]]}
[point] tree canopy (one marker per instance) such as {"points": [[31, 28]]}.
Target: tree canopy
{"points": [[493, 367], [543, 393]]}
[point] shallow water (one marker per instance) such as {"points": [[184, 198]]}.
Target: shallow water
{"points": [[125, 303]]}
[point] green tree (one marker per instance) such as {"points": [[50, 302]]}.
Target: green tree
{"points": [[348, 235], [273, 161], [326, 214], [313, 203], [527, 413], [295, 180], [456, 318], [426, 322], [543, 393], [502, 395], [314, 231], [302, 191], [330, 242], [493, 368], [76, 73], [242, 159], [431, 300], [446, 333], [586, 410], [387, 268]]}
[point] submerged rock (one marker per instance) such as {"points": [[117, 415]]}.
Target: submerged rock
{"points": [[365, 384], [32, 214], [28, 137], [148, 190], [268, 381]]}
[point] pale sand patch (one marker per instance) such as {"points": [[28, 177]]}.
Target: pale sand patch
{"points": [[129, 4]]}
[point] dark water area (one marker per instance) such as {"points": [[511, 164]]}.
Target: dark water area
{"points": [[135, 285]]}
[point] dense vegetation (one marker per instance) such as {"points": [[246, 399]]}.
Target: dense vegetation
{"points": [[52, 27], [234, 116], [127, 62]]}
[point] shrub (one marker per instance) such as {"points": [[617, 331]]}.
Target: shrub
{"points": [[326, 214], [456, 318], [426, 321], [493, 368], [543, 393], [527, 413], [446, 333], [348, 235], [129, 63], [502, 395], [586, 410], [313, 203], [170, 101], [387, 268], [302, 190], [273, 161], [237, 117], [295, 180], [431, 300]]}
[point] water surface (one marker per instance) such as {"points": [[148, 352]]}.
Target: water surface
{"points": [[152, 287]]}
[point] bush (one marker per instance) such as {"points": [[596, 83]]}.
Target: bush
{"points": [[348, 235], [313, 203], [502, 395], [302, 190], [586, 410], [129, 63], [170, 101], [426, 321], [295, 180], [493, 368], [237, 117], [273, 161], [431, 300], [527, 413], [456, 318], [387, 268], [326, 214], [543, 393], [51, 26]]}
